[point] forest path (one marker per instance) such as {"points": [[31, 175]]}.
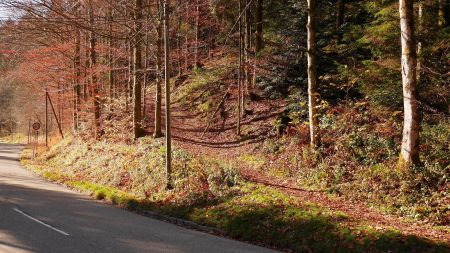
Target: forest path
{"points": [[220, 139], [358, 213], [221, 142]]}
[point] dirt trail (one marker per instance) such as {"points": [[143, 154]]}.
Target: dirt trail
{"points": [[358, 212], [220, 141]]}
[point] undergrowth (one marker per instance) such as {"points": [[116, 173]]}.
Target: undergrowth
{"points": [[210, 192], [16, 138], [358, 160], [206, 85]]}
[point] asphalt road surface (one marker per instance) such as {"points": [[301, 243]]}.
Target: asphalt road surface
{"points": [[37, 216]]}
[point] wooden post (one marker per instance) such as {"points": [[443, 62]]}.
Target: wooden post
{"points": [[46, 117], [56, 118], [29, 131], [36, 143], [11, 128], [158, 87], [167, 87]]}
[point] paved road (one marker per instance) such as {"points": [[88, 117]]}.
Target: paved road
{"points": [[37, 216]]}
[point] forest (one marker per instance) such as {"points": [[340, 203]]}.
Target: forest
{"points": [[297, 125]]}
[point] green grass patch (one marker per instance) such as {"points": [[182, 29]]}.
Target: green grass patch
{"points": [[16, 138]]}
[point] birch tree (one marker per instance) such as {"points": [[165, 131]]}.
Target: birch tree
{"points": [[410, 143]]}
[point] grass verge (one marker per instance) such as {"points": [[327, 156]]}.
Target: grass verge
{"points": [[209, 195]]}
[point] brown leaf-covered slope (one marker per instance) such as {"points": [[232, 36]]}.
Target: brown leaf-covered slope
{"points": [[220, 141]]}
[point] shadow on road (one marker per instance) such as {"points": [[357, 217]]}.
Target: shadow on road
{"points": [[93, 227]]}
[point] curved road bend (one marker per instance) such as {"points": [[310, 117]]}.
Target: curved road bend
{"points": [[37, 216]]}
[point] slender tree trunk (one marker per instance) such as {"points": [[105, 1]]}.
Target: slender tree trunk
{"points": [[93, 66], [411, 127], [137, 71], [158, 96], [87, 62], [74, 97], [77, 87], [313, 95], [238, 130], [127, 84], [167, 88], [46, 118], [340, 12], [145, 60], [110, 57], [197, 34], [179, 44], [102, 56], [441, 13], [419, 43], [186, 44], [129, 88], [259, 26], [447, 13], [130, 67], [247, 47], [258, 38], [340, 15], [186, 53]]}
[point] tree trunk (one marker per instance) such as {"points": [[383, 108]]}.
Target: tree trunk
{"points": [[247, 47], [340, 12], [46, 118], [239, 105], [442, 13], [258, 38], [179, 49], [259, 26], [110, 57], [145, 62], [77, 87], [93, 65], [137, 71], [186, 44], [158, 133], [419, 43], [313, 95], [167, 88], [411, 127], [130, 67], [447, 12], [197, 34], [87, 62]]}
